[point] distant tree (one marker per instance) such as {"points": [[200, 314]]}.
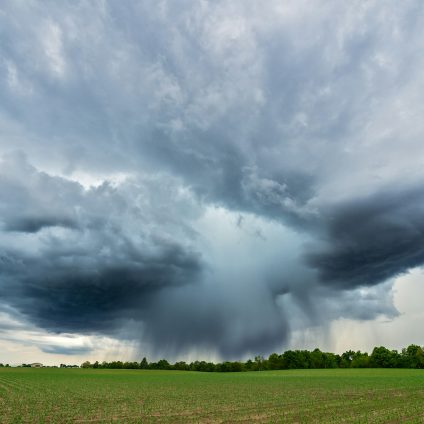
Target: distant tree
{"points": [[290, 359], [210, 367], [228, 366], [134, 365], [260, 363], [413, 357], [329, 360], [346, 359], [296, 359], [236, 366], [410, 357], [316, 359], [163, 364], [181, 366], [130, 365], [275, 362], [144, 364], [202, 366], [361, 360], [382, 357], [249, 365]]}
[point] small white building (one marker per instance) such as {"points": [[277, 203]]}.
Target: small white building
{"points": [[36, 365]]}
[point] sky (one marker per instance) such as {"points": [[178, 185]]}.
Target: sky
{"points": [[209, 179]]}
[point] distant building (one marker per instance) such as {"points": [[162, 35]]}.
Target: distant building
{"points": [[36, 365]]}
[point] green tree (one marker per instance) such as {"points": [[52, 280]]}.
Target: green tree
{"points": [[181, 366], [163, 364], [382, 357], [275, 362], [346, 359], [413, 357], [260, 363], [144, 364]]}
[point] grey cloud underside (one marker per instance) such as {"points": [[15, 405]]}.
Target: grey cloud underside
{"points": [[75, 300], [98, 273], [304, 115], [62, 350], [372, 239], [32, 224], [105, 274]]}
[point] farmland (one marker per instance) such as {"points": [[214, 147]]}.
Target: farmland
{"points": [[133, 396]]}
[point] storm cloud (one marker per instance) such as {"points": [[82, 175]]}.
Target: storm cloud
{"points": [[205, 176], [372, 239]]}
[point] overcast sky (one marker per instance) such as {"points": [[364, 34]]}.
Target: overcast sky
{"points": [[209, 179]]}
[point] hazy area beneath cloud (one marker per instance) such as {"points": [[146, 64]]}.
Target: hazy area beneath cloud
{"points": [[206, 176]]}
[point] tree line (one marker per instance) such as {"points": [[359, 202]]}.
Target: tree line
{"points": [[381, 357]]}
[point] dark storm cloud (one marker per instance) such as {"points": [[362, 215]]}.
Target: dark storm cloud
{"points": [[63, 350], [231, 321], [98, 273], [32, 224], [298, 115], [220, 174], [70, 298], [369, 240]]}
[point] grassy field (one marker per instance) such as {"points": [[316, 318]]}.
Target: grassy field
{"points": [[126, 396]]}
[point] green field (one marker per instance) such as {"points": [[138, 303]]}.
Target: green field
{"points": [[126, 396]]}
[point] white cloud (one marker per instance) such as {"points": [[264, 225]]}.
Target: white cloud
{"points": [[53, 48]]}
